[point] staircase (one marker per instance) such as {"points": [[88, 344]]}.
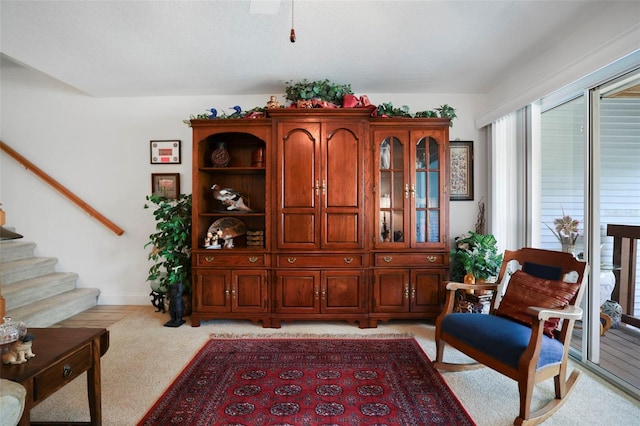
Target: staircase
{"points": [[34, 292]]}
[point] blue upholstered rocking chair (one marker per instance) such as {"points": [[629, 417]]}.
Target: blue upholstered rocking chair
{"points": [[527, 333]]}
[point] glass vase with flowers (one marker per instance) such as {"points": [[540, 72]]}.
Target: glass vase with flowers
{"points": [[567, 230]]}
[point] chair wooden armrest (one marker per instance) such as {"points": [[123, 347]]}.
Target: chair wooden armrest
{"points": [[453, 286], [568, 313]]}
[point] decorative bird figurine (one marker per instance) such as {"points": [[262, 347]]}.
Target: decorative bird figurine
{"points": [[214, 113], [237, 113], [230, 198]]}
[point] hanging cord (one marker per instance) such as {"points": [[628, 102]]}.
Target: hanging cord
{"points": [[292, 36]]}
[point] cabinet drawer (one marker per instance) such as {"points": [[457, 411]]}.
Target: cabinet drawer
{"points": [[319, 260], [215, 259], [61, 373], [410, 259]]}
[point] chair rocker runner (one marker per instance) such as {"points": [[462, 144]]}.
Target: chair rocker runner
{"points": [[527, 334]]}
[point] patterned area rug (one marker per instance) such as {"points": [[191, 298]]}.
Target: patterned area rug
{"points": [[274, 381]]}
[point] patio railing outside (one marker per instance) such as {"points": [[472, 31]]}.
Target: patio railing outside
{"points": [[625, 239]]}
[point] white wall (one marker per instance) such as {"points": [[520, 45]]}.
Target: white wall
{"points": [[589, 44], [99, 149]]}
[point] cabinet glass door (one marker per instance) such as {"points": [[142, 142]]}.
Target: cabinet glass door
{"points": [[425, 192], [393, 190]]}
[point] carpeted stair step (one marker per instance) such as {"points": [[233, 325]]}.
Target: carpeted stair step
{"points": [[47, 312], [11, 250], [24, 269], [34, 289]]}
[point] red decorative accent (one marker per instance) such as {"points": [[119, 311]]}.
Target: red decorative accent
{"points": [[309, 382], [254, 114], [352, 101]]}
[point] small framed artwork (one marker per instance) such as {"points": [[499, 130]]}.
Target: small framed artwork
{"points": [[165, 184], [461, 161], [165, 152]]}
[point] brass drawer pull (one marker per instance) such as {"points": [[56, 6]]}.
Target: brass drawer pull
{"points": [[348, 259], [209, 258], [291, 259], [66, 370], [253, 259], [387, 258], [432, 258]]}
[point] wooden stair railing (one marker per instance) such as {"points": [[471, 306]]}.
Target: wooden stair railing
{"points": [[625, 238], [61, 188]]}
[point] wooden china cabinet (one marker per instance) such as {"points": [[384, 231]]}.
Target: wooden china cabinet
{"points": [[410, 244], [231, 282], [352, 212]]}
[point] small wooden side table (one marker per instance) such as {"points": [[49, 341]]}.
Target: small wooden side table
{"points": [[62, 354]]}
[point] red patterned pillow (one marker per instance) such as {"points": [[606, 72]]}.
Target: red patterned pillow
{"points": [[525, 290]]}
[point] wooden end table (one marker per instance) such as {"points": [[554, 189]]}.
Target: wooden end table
{"points": [[61, 355]]}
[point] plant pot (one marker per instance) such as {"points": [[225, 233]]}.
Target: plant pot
{"points": [[470, 279]]}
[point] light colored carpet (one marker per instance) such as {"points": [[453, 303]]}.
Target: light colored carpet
{"points": [[144, 358]]}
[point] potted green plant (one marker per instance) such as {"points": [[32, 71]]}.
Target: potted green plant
{"points": [[321, 89], [475, 254], [171, 243]]}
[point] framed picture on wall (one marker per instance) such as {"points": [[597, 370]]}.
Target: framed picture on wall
{"points": [[165, 184], [461, 161], [165, 152]]}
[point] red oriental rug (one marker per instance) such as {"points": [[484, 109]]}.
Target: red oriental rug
{"points": [[321, 381]]}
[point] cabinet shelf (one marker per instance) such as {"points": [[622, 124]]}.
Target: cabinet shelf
{"points": [[233, 214], [225, 251], [233, 170]]}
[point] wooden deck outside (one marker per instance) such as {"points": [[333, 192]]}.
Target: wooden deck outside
{"points": [[619, 352]]}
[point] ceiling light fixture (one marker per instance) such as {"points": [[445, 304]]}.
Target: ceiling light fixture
{"points": [[292, 36]]}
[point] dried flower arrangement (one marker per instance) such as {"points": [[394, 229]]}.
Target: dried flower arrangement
{"points": [[566, 229]]}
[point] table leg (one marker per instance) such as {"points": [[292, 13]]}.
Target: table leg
{"points": [[94, 389]]}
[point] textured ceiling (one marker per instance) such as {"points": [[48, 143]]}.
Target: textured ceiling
{"points": [[159, 48]]}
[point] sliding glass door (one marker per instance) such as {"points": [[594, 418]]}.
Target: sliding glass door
{"points": [[615, 137], [590, 172]]}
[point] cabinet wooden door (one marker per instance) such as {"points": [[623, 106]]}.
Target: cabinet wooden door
{"points": [[343, 291], [315, 292], [390, 291], [320, 185], [426, 292], [297, 292], [249, 291], [211, 290], [411, 168], [225, 291], [407, 290]]}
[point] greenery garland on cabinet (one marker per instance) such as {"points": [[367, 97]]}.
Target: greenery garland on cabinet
{"points": [[331, 94]]}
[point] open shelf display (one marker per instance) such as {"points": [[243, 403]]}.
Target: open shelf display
{"points": [[242, 180]]}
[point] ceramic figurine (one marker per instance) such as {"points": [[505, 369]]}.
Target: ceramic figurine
{"points": [[212, 241], [20, 351], [385, 155], [237, 111], [273, 103], [228, 242], [385, 229], [230, 198]]}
